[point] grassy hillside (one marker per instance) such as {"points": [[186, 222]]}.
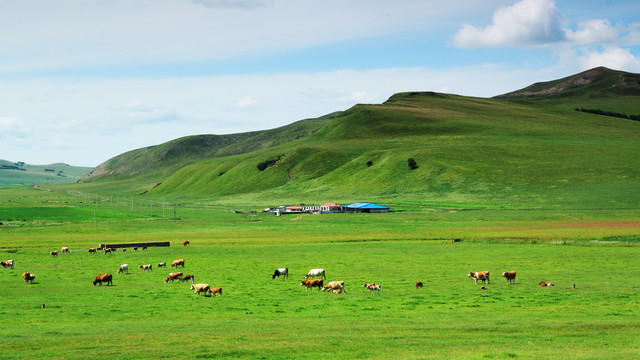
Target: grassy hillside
{"points": [[497, 152], [25, 174]]}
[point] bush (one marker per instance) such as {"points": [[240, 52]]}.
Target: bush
{"points": [[369, 163], [412, 164]]}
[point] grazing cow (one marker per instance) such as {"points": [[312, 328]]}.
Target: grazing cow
{"points": [[146, 267], [189, 277], [162, 264], [510, 276], [200, 288], [316, 273], [215, 291], [64, 249], [124, 250], [7, 264], [310, 283], [108, 251], [173, 276], [281, 271], [144, 248], [135, 249], [185, 243], [177, 263], [124, 269], [546, 283], [91, 250], [479, 275], [419, 284], [334, 285], [54, 253], [28, 277], [103, 278], [372, 287]]}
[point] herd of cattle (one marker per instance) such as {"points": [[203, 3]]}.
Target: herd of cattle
{"points": [[313, 279]]}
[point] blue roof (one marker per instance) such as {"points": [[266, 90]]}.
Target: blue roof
{"points": [[365, 206]]}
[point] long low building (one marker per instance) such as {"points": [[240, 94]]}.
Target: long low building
{"points": [[366, 208], [329, 208]]}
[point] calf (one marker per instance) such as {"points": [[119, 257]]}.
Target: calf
{"points": [[124, 269], [200, 288], [510, 276], [107, 278], [185, 243], [316, 273], [281, 271], [173, 276], [310, 283], [215, 291], [162, 264], [546, 283], [334, 285], [177, 263], [372, 287], [479, 275], [146, 267], [189, 277], [419, 284], [28, 277]]}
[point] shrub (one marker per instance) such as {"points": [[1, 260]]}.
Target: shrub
{"points": [[369, 163], [412, 164]]}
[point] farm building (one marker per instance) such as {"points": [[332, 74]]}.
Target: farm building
{"points": [[366, 208]]}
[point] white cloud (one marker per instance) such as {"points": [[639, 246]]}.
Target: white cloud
{"points": [[594, 32], [612, 57], [245, 103], [526, 23]]}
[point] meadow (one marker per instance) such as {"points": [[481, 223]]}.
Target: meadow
{"points": [[141, 317]]}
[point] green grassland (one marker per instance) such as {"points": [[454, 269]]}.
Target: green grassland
{"points": [[13, 174], [257, 317]]}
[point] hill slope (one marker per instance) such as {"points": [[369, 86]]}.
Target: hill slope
{"points": [[494, 151], [26, 174]]}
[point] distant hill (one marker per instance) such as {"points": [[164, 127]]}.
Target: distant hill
{"points": [[19, 173], [415, 147], [596, 83]]}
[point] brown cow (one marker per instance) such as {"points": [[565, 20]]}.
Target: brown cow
{"points": [[189, 277], [91, 250], [510, 276], [372, 287], [419, 284], [177, 263], [215, 291], [173, 276], [146, 267], [310, 283], [185, 243], [479, 275], [28, 277], [103, 278], [200, 288], [108, 251], [546, 283]]}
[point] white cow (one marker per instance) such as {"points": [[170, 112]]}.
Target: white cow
{"points": [[281, 271], [124, 268], [316, 273]]}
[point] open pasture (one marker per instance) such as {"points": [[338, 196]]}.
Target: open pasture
{"points": [[256, 317]]}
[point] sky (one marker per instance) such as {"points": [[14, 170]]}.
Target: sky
{"points": [[82, 81]]}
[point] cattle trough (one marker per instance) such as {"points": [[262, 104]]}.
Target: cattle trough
{"points": [[147, 244]]}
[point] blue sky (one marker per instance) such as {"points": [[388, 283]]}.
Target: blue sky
{"points": [[83, 81]]}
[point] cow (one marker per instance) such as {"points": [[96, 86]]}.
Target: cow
{"points": [[7, 264], [107, 278], [510, 276], [146, 267], [177, 263], [54, 253], [281, 271], [215, 291], [310, 283], [316, 273], [334, 285], [91, 250], [64, 249], [144, 248], [200, 288], [479, 275], [124, 269], [107, 251], [162, 264], [189, 277], [124, 250], [173, 276], [372, 287], [28, 277], [185, 243], [135, 249], [546, 283], [336, 291], [419, 284]]}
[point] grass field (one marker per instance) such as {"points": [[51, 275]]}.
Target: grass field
{"points": [[141, 317]]}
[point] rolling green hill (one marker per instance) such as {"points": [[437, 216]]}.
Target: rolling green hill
{"points": [[25, 174], [505, 151]]}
